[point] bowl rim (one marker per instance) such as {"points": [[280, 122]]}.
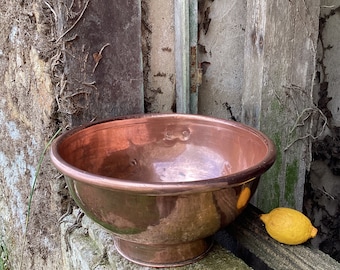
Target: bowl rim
{"points": [[168, 188]]}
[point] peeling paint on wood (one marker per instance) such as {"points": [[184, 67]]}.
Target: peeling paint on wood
{"points": [[220, 55], [158, 54]]}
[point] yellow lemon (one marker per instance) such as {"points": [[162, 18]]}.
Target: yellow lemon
{"points": [[288, 226]]}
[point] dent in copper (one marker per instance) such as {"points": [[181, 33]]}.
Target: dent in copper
{"points": [[162, 183]]}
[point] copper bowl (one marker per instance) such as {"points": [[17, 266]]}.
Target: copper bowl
{"points": [[163, 183]]}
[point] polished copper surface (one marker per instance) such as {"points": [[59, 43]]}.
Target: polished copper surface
{"points": [[163, 183]]}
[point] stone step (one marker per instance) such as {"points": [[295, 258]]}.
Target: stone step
{"points": [[248, 239], [89, 246], [244, 244]]}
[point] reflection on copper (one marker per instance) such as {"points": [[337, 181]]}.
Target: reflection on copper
{"points": [[162, 183]]}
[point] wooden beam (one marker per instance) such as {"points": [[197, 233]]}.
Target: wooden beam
{"points": [[280, 51], [102, 58]]}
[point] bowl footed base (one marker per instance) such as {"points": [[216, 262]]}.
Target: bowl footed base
{"points": [[164, 255]]}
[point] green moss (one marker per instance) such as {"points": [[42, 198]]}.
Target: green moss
{"points": [[269, 188], [277, 186], [292, 171], [3, 256], [217, 258], [276, 106]]}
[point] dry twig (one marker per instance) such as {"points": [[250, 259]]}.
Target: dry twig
{"points": [[91, 84], [75, 23], [98, 56], [52, 10], [299, 123]]}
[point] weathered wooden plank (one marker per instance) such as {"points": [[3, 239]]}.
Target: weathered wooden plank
{"points": [[195, 71], [102, 58], [221, 45], [279, 65], [182, 54], [249, 240], [158, 35]]}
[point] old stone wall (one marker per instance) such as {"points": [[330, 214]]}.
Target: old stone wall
{"points": [[61, 66], [27, 107]]}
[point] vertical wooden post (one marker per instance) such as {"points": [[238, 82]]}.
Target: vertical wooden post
{"points": [[280, 50], [195, 71], [182, 54], [254, 63], [103, 59]]}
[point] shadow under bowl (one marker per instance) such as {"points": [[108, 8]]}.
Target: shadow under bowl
{"points": [[163, 183]]}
